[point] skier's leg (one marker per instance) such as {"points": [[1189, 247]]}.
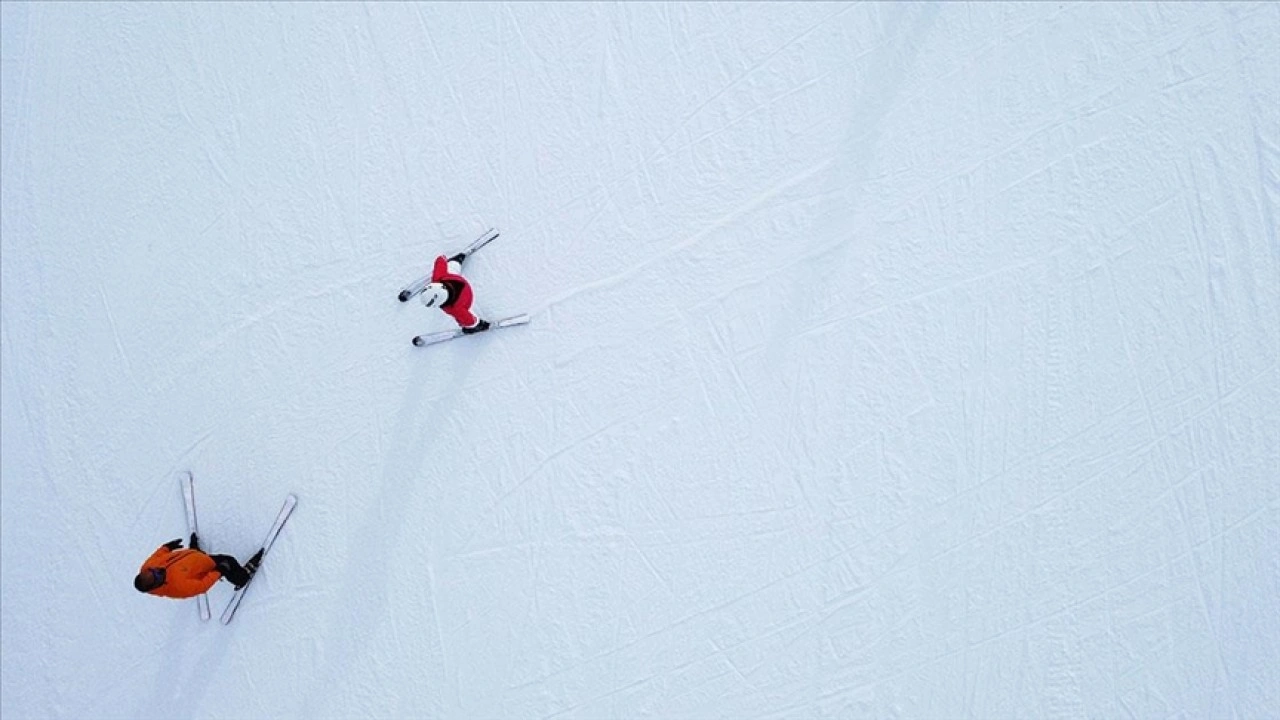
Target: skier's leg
{"points": [[231, 569], [479, 326]]}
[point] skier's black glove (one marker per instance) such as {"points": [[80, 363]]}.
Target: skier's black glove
{"points": [[174, 544], [194, 543], [478, 327]]}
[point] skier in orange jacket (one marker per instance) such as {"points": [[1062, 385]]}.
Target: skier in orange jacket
{"points": [[173, 572]]}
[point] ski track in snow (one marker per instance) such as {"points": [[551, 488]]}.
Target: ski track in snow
{"points": [[886, 360]]}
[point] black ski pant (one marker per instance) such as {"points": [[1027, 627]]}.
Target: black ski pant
{"points": [[231, 569]]}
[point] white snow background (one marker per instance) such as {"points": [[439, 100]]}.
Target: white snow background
{"points": [[887, 360]]}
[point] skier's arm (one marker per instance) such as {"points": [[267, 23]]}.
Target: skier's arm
{"points": [[158, 557], [440, 269]]}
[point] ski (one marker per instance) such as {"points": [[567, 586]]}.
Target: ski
{"points": [[488, 237], [289, 502], [443, 335], [189, 497], [415, 288]]}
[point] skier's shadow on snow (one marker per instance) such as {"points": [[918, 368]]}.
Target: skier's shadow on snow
{"points": [[352, 627]]}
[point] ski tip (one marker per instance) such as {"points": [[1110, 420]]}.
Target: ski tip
{"points": [[418, 341], [403, 296]]}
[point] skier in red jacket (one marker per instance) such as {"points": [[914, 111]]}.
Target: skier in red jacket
{"points": [[451, 292]]}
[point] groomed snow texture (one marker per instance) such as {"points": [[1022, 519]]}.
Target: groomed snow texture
{"points": [[887, 360]]}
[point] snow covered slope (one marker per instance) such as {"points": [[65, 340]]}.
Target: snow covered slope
{"points": [[886, 359]]}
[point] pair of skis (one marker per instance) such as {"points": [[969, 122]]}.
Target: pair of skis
{"points": [[415, 288], [443, 335], [202, 601]]}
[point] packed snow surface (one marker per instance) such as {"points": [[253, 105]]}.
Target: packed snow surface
{"points": [[887, 360]]}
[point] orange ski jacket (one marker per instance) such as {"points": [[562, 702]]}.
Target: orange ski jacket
{"points": [[187, 572]]}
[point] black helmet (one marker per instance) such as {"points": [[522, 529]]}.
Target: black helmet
{"points": [[149, 579]]}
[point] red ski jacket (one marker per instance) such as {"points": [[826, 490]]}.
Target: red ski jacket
{"points": [[458, 306], [187, 572]]}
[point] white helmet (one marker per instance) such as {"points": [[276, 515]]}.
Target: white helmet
{"points": [[435, 295]]}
